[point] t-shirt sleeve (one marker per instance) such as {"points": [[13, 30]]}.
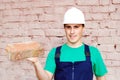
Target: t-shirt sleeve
{"points": [[99, 67], [50, 62]]}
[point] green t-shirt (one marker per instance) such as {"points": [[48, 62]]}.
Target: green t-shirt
{"points": [[69, 54]]}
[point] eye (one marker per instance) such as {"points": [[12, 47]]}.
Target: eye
{"points": [[68, 27], [76, 26]]}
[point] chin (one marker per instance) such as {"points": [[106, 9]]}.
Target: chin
{"points": [[73, 42]]}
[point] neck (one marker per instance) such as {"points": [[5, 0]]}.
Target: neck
{"points": [[74, 45]]}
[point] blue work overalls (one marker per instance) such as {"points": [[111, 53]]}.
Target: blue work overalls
{"points": [[79, 70]]}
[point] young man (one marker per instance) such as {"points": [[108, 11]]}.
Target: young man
{"points": [[74, 60]]}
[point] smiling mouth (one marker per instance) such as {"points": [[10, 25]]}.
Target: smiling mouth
{"points": [[72, 36]]}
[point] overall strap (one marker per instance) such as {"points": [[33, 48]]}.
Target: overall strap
{"points": [[87, 50], [57, 53]]}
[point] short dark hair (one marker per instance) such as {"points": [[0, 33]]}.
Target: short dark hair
{"points": [[82, 25]]}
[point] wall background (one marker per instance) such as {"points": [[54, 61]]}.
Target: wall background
{"points": [[41, 20]]}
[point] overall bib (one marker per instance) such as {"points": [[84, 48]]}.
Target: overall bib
{"points": [[79, 70]]}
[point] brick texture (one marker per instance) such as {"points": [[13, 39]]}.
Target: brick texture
{"points": [[41, 20]]}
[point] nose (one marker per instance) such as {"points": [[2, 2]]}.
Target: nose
{"points": [[72, 30]]}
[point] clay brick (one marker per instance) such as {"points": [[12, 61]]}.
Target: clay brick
{"points": [[115, 1], [33, 11], [103, 32], [38, 25], [11, 18], [96, 16], [1, 17], [54, 32], [56, 41], [58, 18], [64, 2], [117, 9], [118, 32], [11, 25], [49, 17], [116, 63], [103, 9], [2, 6], [17, 40], [113, 32], [55, 25], [108, 63], [14, 5], [1, 1], [32, 4], [29, 18], [99, 16], [112, 71], [59, 10], [11, 12], [36, 32], [8, 1], [87, 3], [90, 32], [85, 9], [1, 31], [45, 17], [109, 24], [2, 74], [94, 33], [108, 77], [115, 16], [36, 4], [22, 5], [46, 3], [107, 48], [11, 32], [92, 25], [49, 10], [116, 40], [3, 58], [106, 2], [105, 40], [88, 17], [113, 56], [118, 47]]}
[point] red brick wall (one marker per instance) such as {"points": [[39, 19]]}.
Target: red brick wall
{"points": [[41, 20]]}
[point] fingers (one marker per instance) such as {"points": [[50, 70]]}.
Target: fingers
{"points": [[33, 59]]}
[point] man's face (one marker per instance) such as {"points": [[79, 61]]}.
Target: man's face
{"points": [[73, 32]]}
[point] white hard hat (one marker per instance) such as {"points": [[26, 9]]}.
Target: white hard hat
{"points": [[74, 16]]}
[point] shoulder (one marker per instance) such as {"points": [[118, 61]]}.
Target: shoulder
{"points": [[51, 53], [94, 51], [95, 54], [93, 48]]}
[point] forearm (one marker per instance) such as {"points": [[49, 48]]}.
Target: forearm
{"points": [[101, 78], [40, 72]]}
